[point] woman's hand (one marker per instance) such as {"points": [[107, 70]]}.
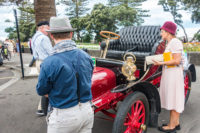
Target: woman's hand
{"points": [[158, 63]]}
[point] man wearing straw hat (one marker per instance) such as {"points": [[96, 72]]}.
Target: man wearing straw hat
{"points": [[65, 77]]}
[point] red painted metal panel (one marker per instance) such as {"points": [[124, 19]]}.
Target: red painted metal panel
{"points": [[107, 101], [103, 79]]}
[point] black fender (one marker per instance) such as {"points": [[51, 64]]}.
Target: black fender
{"points": [[192, 69], [153, 97]]}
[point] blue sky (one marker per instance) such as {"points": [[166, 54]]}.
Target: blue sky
{"points": [[158, 17]]}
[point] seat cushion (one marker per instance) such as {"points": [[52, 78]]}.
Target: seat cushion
{"points": [[141, 40], [118, 55]]}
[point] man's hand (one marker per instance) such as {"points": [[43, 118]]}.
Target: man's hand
{"points": [[46, 95]]}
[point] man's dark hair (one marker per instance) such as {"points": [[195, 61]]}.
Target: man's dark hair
{"points": [[42, 23], [63, 35]]}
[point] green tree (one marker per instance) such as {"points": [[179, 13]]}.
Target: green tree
{"points": [[174, 6], [100, 19], [197, 37], [29, 15], [80, 25], [87, 37], [27, 19], [77, 9], [194, 7], [44, 9], [13, 34], [127, 12], [26, 31], [26, 22]]}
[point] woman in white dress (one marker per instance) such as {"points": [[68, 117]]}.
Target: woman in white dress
{"points": [[172, 81]]}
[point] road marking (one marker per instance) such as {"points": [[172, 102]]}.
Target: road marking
{"points": [[7, 78], [10, 82]]}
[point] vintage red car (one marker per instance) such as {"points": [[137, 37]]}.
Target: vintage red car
{"points": [[124, 83]]}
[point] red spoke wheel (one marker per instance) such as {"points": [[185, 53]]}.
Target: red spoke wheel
{"points": [[187, 84], [132, 115]]}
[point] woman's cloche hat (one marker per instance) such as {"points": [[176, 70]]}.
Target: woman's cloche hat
{"points": [[59, 25], [169, 27]]}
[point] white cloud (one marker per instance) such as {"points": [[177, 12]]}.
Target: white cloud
{"points": [[6, 12], [5, 16], [190, 32], [157, 15], [2, 38], [150, 4]]}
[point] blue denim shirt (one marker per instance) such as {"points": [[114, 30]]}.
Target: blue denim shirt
{"points": [[41, 46], [58, 78]]}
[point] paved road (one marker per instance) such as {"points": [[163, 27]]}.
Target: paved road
{"points": [[18, 104], [5, 75]]}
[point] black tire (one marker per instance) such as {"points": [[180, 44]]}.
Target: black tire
{"points": [[187, 94], [125, 107], [45, 104], [1, 61], [3, 55]]}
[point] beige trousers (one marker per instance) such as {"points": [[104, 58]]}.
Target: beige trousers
{"points": [[38, 63], [77, 119]]}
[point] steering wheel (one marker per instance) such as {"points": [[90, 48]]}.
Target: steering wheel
{"points": [[129, 54], [109, 35]]}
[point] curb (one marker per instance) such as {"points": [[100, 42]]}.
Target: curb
{"points": [[19, 70]]}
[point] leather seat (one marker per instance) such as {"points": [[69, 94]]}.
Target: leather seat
{"points": [[141, 41]]}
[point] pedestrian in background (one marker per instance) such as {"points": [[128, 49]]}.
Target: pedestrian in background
{"points": [[10, 47], [65, 77], [172, 80], [42, 47], [14, 46], [17, 47]]}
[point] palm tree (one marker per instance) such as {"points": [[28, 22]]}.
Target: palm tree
{"points": [[44, 9]]}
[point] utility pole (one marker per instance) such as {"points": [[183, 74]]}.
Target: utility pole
{"points": [[18, 36]]}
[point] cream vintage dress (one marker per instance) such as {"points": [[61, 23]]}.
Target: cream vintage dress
{"points": [[172, 81]]}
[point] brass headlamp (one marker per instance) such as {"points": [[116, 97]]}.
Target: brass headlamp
{"points": [[129, 67]]}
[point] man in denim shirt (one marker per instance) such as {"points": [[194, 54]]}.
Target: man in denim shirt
{"points": [[42, 48], [65, 77]]}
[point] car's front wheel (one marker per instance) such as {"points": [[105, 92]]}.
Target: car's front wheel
{"points": [[132, 115]]}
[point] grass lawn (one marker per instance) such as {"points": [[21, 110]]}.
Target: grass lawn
{"points": [[82, 43], [88, 45]]}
